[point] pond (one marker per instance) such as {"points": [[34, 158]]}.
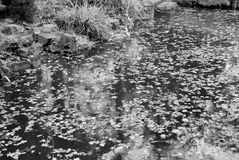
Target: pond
{"points": [[78, 106]]}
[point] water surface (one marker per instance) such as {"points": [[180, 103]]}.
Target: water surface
{"points": [[78, 106]]}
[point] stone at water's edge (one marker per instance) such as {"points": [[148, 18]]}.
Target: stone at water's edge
{"points": [[166, 6]]}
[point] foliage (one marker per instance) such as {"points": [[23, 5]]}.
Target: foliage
{"points": [[21, 9]]}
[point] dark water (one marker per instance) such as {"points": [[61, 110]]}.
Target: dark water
{"points": [[78, 106]]}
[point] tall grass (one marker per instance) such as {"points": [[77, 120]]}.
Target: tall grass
{"points": [[85, 19]]}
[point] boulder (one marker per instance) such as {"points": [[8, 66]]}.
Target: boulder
{"points": [[165, 6]]}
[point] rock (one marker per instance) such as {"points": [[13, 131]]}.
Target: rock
{"points": [[45, 38], [83, 42], [11, 29], [26, 41], [67, 42], [151, 3], [19, 65], [113, 23], [35, 49], [45, 33], [8, 43], [114, 154], [23, 52], [118, 37], [9, 21], [54, 41], [166, 6], [49, 28]]}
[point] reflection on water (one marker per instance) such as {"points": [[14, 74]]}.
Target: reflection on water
{"points": [[72, 107]]}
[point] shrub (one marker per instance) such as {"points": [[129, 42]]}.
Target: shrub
{"points": [[21, 9], [85, 19]]}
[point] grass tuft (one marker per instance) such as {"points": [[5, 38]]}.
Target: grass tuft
{"points": [[85, 19]]}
